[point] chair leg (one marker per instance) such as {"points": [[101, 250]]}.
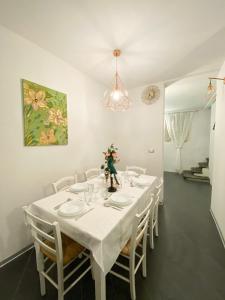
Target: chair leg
{"points": [[151, 233], [92, 267], [157, 228], [156, 223], [144, 262], [60, 283], [42, 284], [151, 237], [40, 268], [132, 279], [132, 287]]}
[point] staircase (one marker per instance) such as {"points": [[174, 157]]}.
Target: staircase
{"points": [[199, 173]]}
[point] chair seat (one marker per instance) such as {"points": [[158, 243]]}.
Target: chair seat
{"points": [[71, 249], [127, 248]]}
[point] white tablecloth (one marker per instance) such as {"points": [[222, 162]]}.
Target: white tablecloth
{"points": [[104, 231]]}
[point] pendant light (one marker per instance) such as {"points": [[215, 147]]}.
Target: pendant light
{"points": [[117, 98], [211, 88]]}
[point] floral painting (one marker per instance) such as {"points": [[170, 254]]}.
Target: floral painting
{"points": [[45, 115]]}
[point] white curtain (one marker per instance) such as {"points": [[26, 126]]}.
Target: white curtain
{"points": [[178, 127], [166, 133]]}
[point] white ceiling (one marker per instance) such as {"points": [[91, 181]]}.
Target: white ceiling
{"points": [[188, 93], [160, 40]]}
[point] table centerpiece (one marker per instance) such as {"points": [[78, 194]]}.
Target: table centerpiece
{"points": [[111, 157]]}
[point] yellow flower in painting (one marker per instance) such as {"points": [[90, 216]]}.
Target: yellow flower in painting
{"points": [[47, 137], [36, 99], [56, 117], [65, 122]]}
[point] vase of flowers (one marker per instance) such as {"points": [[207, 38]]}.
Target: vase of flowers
{"points": [[111, 157]]}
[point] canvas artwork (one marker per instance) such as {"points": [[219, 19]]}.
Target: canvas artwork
{"points": [[45, 115]]}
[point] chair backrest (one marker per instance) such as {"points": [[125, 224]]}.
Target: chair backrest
{"points": [[160, 184], [156, 197], [64, 183], [92, 173], [136, 169], [140, 224], [158, 190], [46, 235]]}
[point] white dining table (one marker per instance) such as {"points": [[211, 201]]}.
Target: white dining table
{"points": [[103, 230]]}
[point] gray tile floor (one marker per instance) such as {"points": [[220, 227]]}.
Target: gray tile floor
{"points": [[188, 262]]}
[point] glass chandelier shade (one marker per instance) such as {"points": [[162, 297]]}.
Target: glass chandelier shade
{"points": [[116, 99], [210, 87]]}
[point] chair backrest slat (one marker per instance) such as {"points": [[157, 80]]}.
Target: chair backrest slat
{"points": [[158, 190], [92, 173], [46, 247], [136, 169], [42, 233], [141, 233], [159, 186], [64, 183], [143, 220]]}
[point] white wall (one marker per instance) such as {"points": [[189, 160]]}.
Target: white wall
{"points": [[141, 129], [27, 171], [218, 180], [196, 149]]}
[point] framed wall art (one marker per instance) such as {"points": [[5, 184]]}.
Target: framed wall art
{"points": [[45, 115]]}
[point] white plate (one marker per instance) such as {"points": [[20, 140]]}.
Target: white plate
{"points": [[78, 187], [71, 209], [120, 199]]}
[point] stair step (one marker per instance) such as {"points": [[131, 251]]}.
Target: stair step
{"points": [[190, 176], [196, 170], [203, 164]]}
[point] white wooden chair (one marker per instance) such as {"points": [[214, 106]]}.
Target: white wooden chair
{"points": [[136, 169], [160, 186], [54, 249], [92, 173], [63, 183], [154, 217], [137, 240]]}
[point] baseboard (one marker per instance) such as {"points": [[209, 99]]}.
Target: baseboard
{"points": [[11, 258], [218, 228]]}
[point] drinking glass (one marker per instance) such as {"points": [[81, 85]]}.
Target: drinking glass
{"points": [[120, 180], [91, 187], [88, 194], [131, 181]]}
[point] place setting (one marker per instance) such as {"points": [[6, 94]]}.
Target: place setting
{"points": [[81, 205], [118, 201], [78, 187]]}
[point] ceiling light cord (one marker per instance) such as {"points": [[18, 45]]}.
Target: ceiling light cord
{"points": [[116, 75]]}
